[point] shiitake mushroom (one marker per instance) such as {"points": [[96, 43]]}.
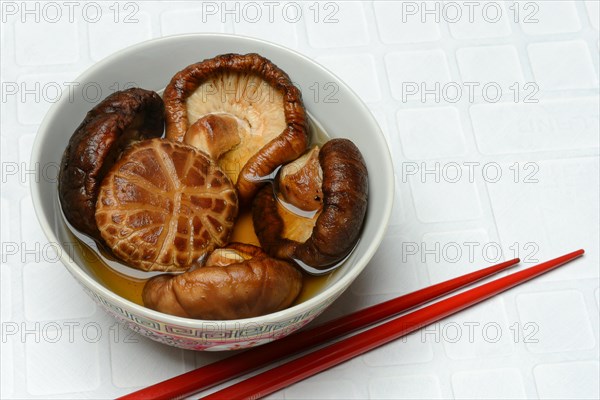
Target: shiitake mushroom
{"points": [[164, 206], [239, 281], [111, 126], [246, 98], [328, 235]]}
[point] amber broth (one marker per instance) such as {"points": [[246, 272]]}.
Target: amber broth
{"points": [[131, 288]]}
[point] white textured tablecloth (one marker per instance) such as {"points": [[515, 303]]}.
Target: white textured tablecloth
{"points": [[491, 114]]}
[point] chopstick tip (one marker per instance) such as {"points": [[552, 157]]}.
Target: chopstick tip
{"points": [[575, 253]]}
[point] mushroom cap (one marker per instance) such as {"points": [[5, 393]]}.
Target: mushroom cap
{"points": [[120, 119], [257, 93], [337, 227], [252, 284], [164, 206]]}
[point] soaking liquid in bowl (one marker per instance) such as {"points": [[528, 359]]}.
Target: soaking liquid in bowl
{"points": [[131, 288]]}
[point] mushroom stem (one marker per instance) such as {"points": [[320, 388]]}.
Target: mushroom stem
{"points": [[225, 257], [215, 134], [297, 225], [301, 181]]}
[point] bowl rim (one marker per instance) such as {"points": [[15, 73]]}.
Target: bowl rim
{"points": [[336, 288]]}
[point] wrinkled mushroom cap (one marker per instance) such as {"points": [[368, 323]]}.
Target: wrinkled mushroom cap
{"points": [[120, 119], [164, 206], [239, 281], [336, 229], [268, 108]]}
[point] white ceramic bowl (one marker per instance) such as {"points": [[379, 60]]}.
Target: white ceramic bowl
{"points": [[151, 65]]}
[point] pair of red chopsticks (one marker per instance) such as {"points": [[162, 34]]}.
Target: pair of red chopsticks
{"points": [[312, 363]]}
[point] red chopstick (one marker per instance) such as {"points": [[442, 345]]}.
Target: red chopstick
{"points": [[300, 368], [223, 370]]}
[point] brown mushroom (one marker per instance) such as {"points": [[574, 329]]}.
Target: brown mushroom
{"points": [[328, 236], [263, 114], [300, 182], [112, 125], [164, 206], [239, 281]]}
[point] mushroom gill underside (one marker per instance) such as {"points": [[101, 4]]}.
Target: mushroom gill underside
{"points": [[251, 113]]}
